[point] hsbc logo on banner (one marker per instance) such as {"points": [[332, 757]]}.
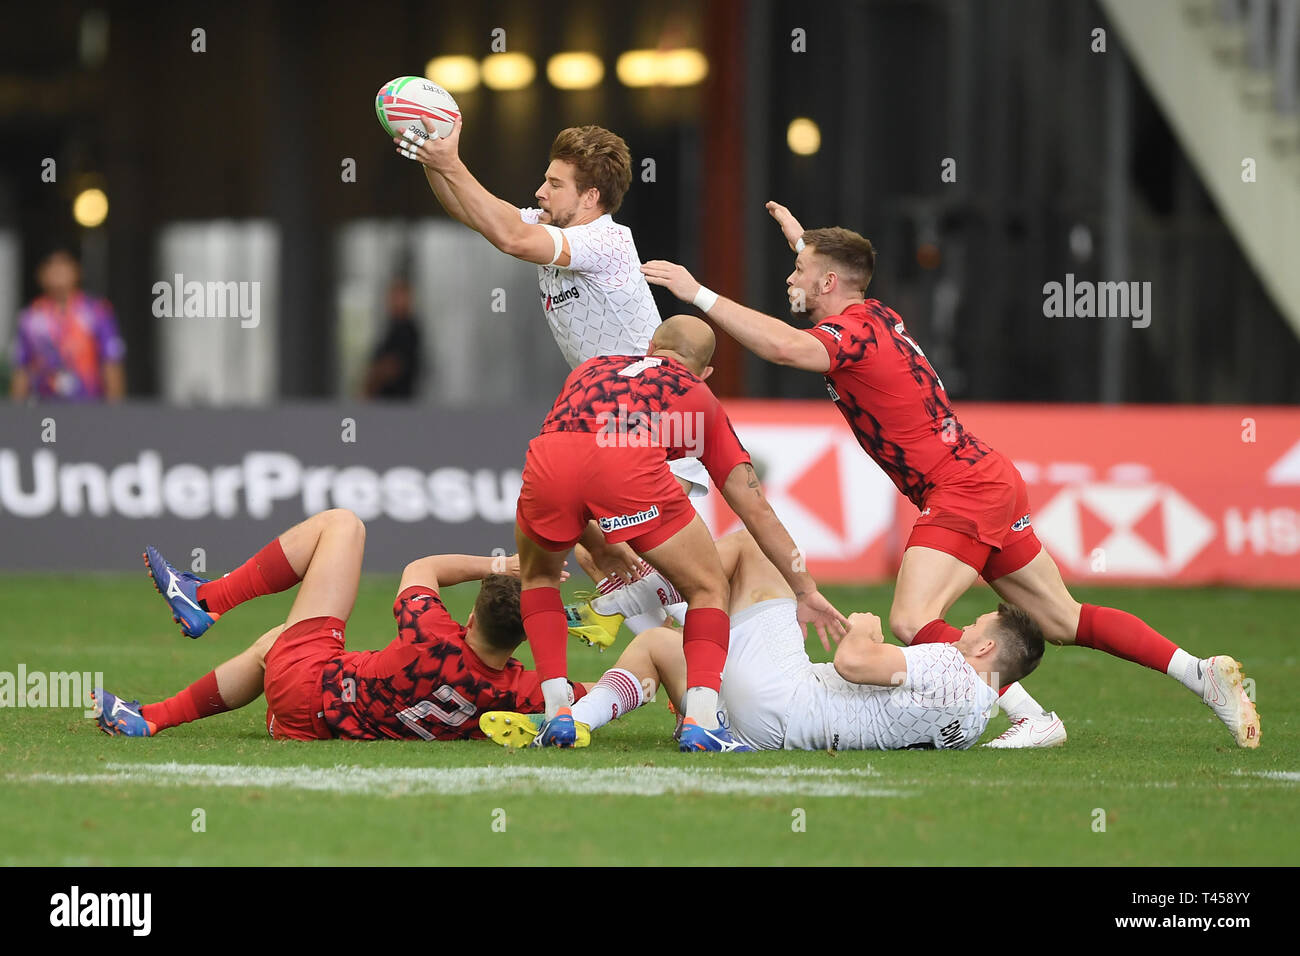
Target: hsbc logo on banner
{"points": [[1139, 530], [833, 499]]}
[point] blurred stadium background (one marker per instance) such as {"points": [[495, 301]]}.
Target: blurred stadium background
{"points": [[987, 147]]}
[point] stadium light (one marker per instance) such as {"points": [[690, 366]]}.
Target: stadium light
{"points": [[90, 208], [684, 67], [508, 71], [803, 136], [575, 71], [455, 74], [681, 67]]}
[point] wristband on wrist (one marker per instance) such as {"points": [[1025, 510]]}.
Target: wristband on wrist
{"points": [[798, 244], [705, 299]]}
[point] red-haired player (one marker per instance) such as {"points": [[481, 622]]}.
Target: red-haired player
{"points": [[974, 507]]}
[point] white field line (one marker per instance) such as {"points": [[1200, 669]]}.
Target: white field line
{"points": [[1290, 776], [411, 781]]}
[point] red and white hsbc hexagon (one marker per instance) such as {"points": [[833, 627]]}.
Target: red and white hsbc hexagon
{"points": [[1179, 494], [838, 506]]}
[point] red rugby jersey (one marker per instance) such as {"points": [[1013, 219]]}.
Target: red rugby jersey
{"points": [[428, 684], [652, 399], [894, 402]]}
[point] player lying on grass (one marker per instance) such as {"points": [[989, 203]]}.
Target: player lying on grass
{"points": [[602, 454], [875, 696], [974, 516], [430, 683]]}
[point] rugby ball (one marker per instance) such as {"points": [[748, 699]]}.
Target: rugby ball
{"points": [[406, 100]]}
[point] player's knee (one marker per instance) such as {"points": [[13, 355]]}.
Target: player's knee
{"points": [[342, 519], [905, 624]]}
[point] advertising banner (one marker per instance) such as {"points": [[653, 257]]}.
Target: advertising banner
{"points": [[1182, 495]]}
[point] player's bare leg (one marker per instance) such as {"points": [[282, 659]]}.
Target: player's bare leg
{"points": [[326, 551], [690, 559], [540, 573], [1038, 589], [235, 683], [929, 583]]}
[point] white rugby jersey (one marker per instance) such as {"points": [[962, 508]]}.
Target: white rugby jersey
{"points": [[600, 304], [942, 704]]}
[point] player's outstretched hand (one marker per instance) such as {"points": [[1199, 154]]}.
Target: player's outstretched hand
{"points": [[820, 613], [672, 277], [790, 227], [426, 148]]}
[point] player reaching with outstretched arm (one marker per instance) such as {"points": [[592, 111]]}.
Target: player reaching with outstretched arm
{"points": [[430, 683], [601, 455], [875, 696], [974, 506], [588, 270]]}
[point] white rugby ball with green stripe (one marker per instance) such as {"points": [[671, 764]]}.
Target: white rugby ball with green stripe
{"points": [[406, 100]]}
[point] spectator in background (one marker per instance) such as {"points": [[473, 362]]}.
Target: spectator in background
{"points": [[68, 347], [395, 367]]}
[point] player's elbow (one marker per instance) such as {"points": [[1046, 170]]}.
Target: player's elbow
{"points": [[851, 661]]}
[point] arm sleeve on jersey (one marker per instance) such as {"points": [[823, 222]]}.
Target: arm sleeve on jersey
{"points": [[722, 449], [833, 337], [22, 350], [584, 254], [112, 348], [529, 215]]}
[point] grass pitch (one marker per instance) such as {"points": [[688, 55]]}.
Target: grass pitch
{"points": [[1144, 757]]}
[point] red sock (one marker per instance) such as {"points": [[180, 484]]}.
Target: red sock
{"points": [[267, 572], [937, 631], [200, 699], [1122, 635], [547, 630], [706, 632]]}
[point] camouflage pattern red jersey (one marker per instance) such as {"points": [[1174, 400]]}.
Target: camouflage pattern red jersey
{"points": [[650, 399], [894, 402], [428, 684]]}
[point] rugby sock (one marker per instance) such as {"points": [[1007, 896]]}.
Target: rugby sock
{"points": [[548, 630], [1017, 703], [701, 706], [1187, 670], [652, 590], [267, 572], [643, 622], [937, 631], [200, 699], [618, 692], [705, 636], [1122, 635]]}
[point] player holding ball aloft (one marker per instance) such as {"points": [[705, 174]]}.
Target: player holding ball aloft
{"points": [[588, 270]]}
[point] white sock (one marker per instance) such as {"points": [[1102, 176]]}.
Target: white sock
{"points": [[677, 612], [643, 622], [648, 592], [1187, 670], [618, 692], [1017, 703], [701, 705], [558, 694]]}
